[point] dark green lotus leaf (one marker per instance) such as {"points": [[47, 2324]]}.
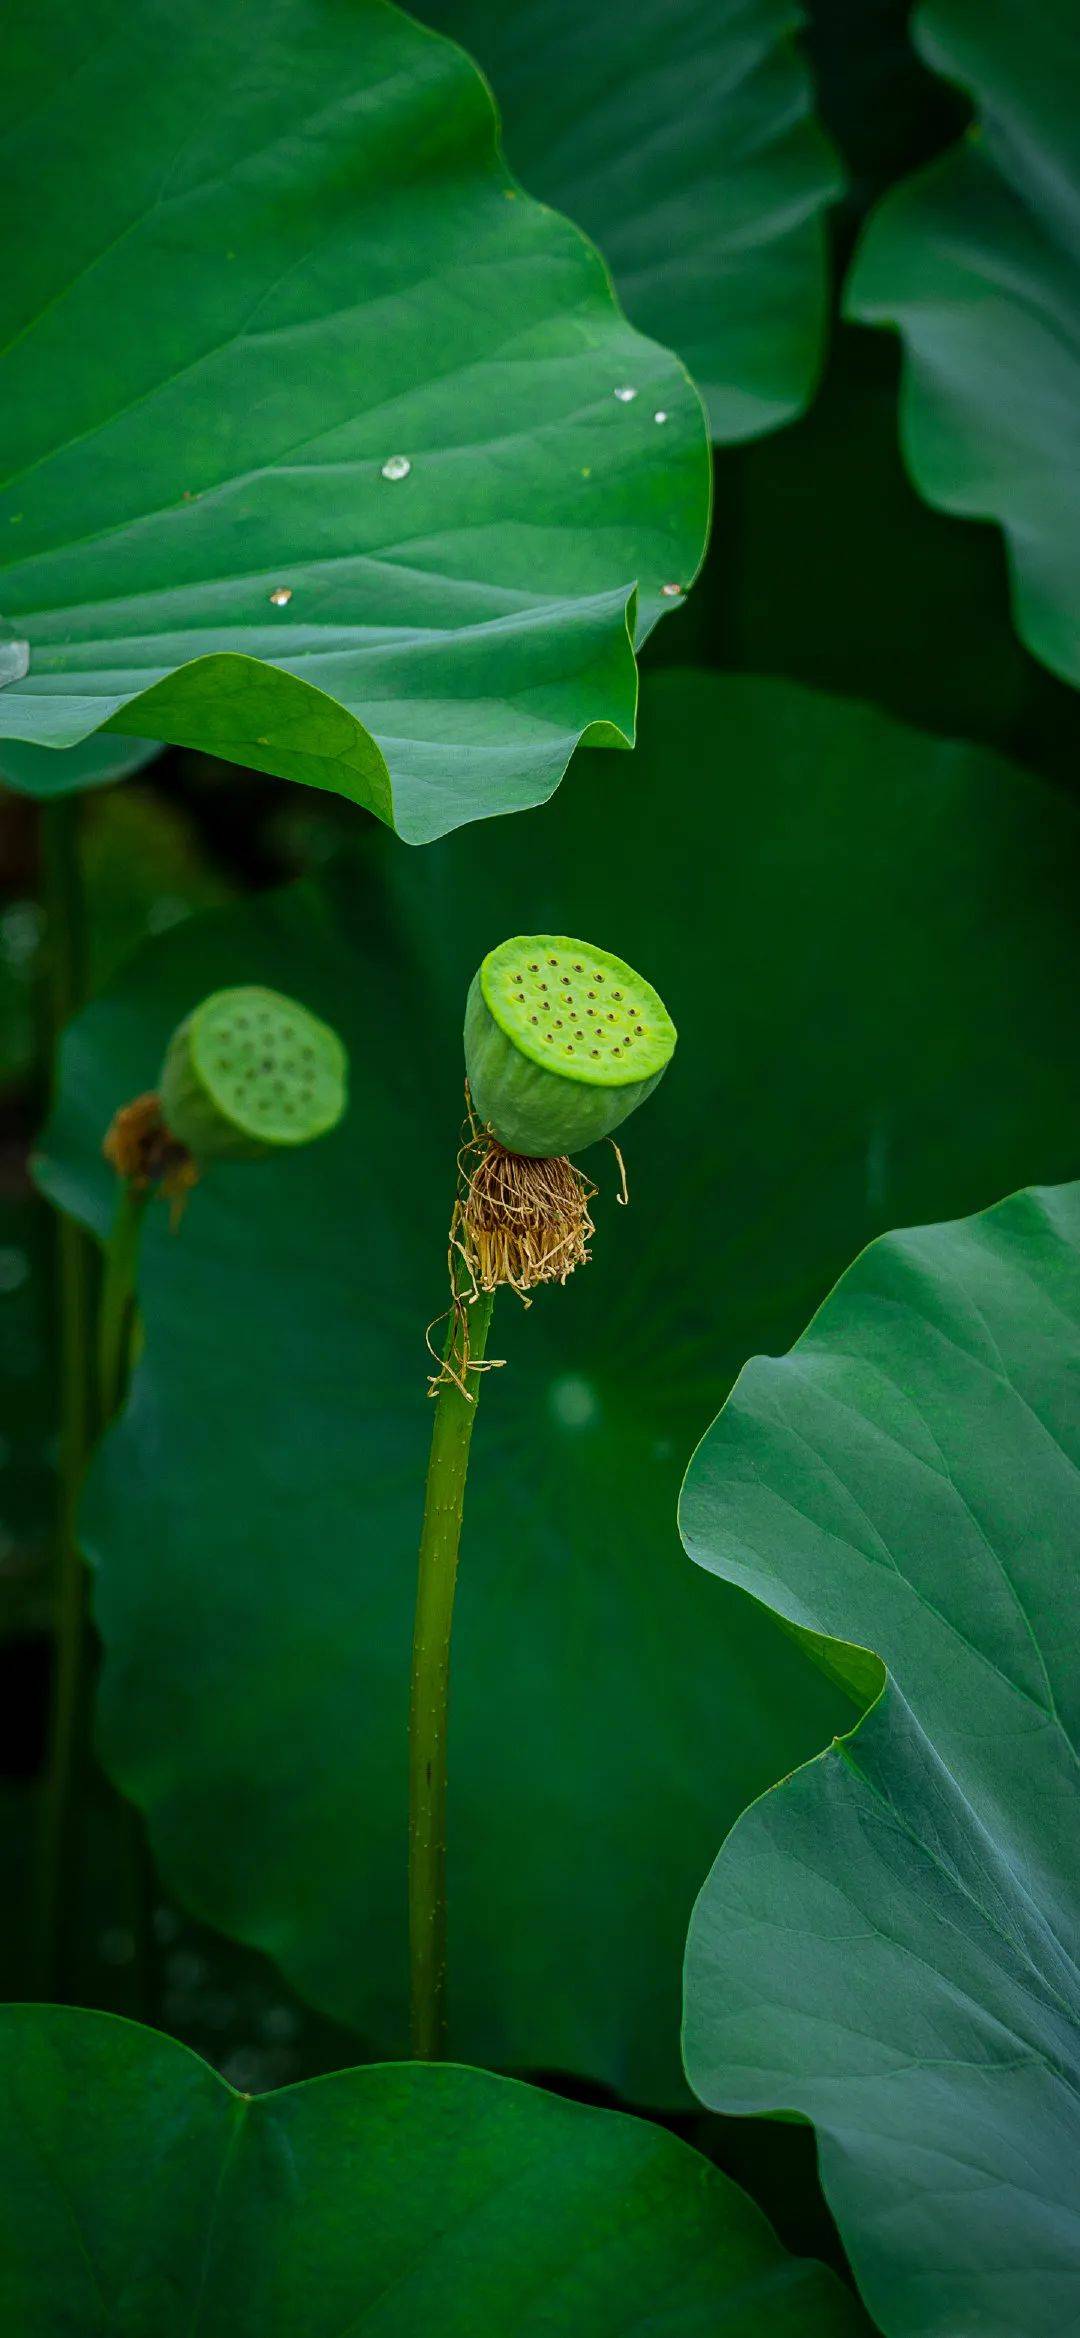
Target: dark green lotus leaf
{"points": [[888, 1943], [312, 450], [682, 137], [867, 941], [977, 260], [141, 2193]]}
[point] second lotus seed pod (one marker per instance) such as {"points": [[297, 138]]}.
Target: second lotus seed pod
{"points": [[248, 1072], [562, 1042]]}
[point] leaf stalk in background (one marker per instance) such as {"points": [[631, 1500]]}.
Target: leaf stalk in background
{"points": [[62, 900], [116, 1313]]}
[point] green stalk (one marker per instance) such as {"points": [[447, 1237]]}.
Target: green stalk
{"points": [[440, 1538], [65, 942], [116, 1318], [115, 1336]]}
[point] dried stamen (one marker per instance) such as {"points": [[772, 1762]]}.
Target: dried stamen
{"points": [[143, 1151], [521, 1221], [518, 1221]]}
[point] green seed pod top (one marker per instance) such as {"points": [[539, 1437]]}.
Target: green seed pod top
{"points": [[248, 1071], [562, 1041]]}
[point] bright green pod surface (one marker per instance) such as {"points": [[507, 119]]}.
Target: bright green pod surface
{"points": [[249, 1070], [562, 1042]]}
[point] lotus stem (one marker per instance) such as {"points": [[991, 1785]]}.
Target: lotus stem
{"points": [[456, 1394], [562, 1042], [61, 885], [116, 1315]]}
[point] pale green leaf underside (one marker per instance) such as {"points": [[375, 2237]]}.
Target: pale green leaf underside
{"points": [[37, 771], [139, 2193], [241, 275], [977, 260], [888, 1942], [867, 940], [680, 134]]}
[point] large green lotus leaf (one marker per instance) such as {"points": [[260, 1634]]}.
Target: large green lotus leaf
{"points": [[868, 943], [682, 136], [141, 2194], [977, 260], [888, 1942], [248, 265]]}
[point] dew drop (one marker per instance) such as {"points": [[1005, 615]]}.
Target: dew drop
{"points": [[281, 596], [14, 658], [660, 414], [671, 592], [396, 467], [624, 394]]}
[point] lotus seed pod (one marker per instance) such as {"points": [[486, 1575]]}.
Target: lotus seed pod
{"points": [[249, 1071], [562, 1042]]}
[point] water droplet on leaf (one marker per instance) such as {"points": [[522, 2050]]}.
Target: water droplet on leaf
{"points": [[14, 657], [396, 467], [625, 394], [281, 596]]}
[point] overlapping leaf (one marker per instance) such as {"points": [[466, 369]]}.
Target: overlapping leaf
{"points": [[867, 940], [140, 2193], [889, 1942], [978, 261], [312, 452], [683, 138]]}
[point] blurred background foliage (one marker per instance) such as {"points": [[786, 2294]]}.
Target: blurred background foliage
{"points": [[826, 568]]}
